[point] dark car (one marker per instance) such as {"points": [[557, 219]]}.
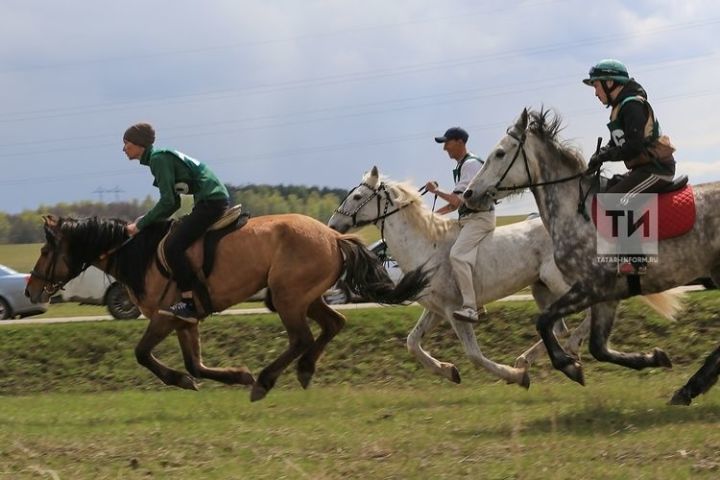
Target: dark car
{"points": [[13, 302]]}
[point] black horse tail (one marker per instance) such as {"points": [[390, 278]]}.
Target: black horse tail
{"points": [[366, 276]]}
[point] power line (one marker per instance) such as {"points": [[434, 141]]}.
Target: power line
{"points": [[344, 78], [488, 92], [310, 36], [254, 158]]}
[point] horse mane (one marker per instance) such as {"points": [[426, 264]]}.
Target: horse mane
{"points": [[547, 127], [421, 217], [131, 262], [89, 238]]}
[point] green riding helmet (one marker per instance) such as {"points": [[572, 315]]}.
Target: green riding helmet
{"points": [[608, 69]]}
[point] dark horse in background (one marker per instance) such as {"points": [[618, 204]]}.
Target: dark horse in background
{"points": [[296, 257]]}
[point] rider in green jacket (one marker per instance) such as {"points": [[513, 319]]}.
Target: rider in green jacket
{"points": [[176, 173]]}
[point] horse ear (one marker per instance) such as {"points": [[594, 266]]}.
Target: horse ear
{"points": [[374, 172], [522, 122], [51, 221]]}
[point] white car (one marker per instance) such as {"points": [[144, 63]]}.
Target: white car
{"points": [[96, 287], [13, 302]]}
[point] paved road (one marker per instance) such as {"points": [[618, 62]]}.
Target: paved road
{"points": [[255, 311]]}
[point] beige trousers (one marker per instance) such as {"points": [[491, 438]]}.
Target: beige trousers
{"points": [[463, 255]]}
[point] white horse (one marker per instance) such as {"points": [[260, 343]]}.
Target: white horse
{"points": [[510, 258]]}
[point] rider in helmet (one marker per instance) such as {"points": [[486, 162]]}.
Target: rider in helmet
{"points": [[635, 139], [634, 132]]}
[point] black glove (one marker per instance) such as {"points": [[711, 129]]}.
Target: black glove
{"points": [[595, 162], [605, 154]]}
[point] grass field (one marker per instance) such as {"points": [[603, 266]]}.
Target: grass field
{"points": [[76, 405]]}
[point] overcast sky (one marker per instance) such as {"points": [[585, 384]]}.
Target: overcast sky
{"points": [[317, 92]]}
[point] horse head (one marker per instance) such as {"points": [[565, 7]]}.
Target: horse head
{"points": [[358, 208], [520, 160], [70, 247], [505, 170]]}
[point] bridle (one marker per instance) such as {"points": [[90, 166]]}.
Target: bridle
{"points": [[51, 285], [380, 193], [521, 149]]}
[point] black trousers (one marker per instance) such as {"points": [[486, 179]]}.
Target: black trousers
{"points": [[641, 180], [189, 228]]}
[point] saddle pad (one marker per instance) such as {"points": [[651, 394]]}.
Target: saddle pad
{"points": [[676, 213]]}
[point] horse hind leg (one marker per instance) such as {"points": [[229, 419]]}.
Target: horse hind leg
{"points": [[465, 333], [603, 317], [157, 330], [331, 322], [700, 382], [300, 339], [189, 339], [426, 323]]}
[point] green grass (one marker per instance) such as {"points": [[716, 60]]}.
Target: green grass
{"points": [[479, 430], [20, 257], [75, 404]]}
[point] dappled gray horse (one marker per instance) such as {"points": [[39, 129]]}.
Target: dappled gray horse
{"points": [[510, 258], [531, 156]]}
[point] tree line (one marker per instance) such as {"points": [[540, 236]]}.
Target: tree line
{"points": [[316, 202]]}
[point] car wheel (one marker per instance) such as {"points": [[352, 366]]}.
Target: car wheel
{"points": [[119, 304], [5, 311]]}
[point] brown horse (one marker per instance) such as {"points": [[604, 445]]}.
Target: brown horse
{"points": [[296, 257]]}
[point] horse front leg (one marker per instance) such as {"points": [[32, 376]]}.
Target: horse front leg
{"points": [[573, 301], [157, 330], [603, 318], [530, 356], [426, 323], [189, 339]]}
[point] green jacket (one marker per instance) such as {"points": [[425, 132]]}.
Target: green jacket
{"points": [[176, 173]]}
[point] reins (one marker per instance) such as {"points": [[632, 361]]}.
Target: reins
{"points": [[582, 210]]}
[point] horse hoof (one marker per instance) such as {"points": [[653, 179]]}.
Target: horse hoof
{"points": [[525, 380], [304, 378], [258, 393], [522, 363], [188, 383], [245, 378], [680, 398], [574, 372], [661, 358], [454, 374]]}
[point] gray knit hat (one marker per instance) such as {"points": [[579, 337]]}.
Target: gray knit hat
{"points": [[141, 134]]}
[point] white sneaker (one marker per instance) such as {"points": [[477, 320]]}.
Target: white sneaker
{"points": [[466, 314]]}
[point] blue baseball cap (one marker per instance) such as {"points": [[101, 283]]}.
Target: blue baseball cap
{"points": [[453, 133]]}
